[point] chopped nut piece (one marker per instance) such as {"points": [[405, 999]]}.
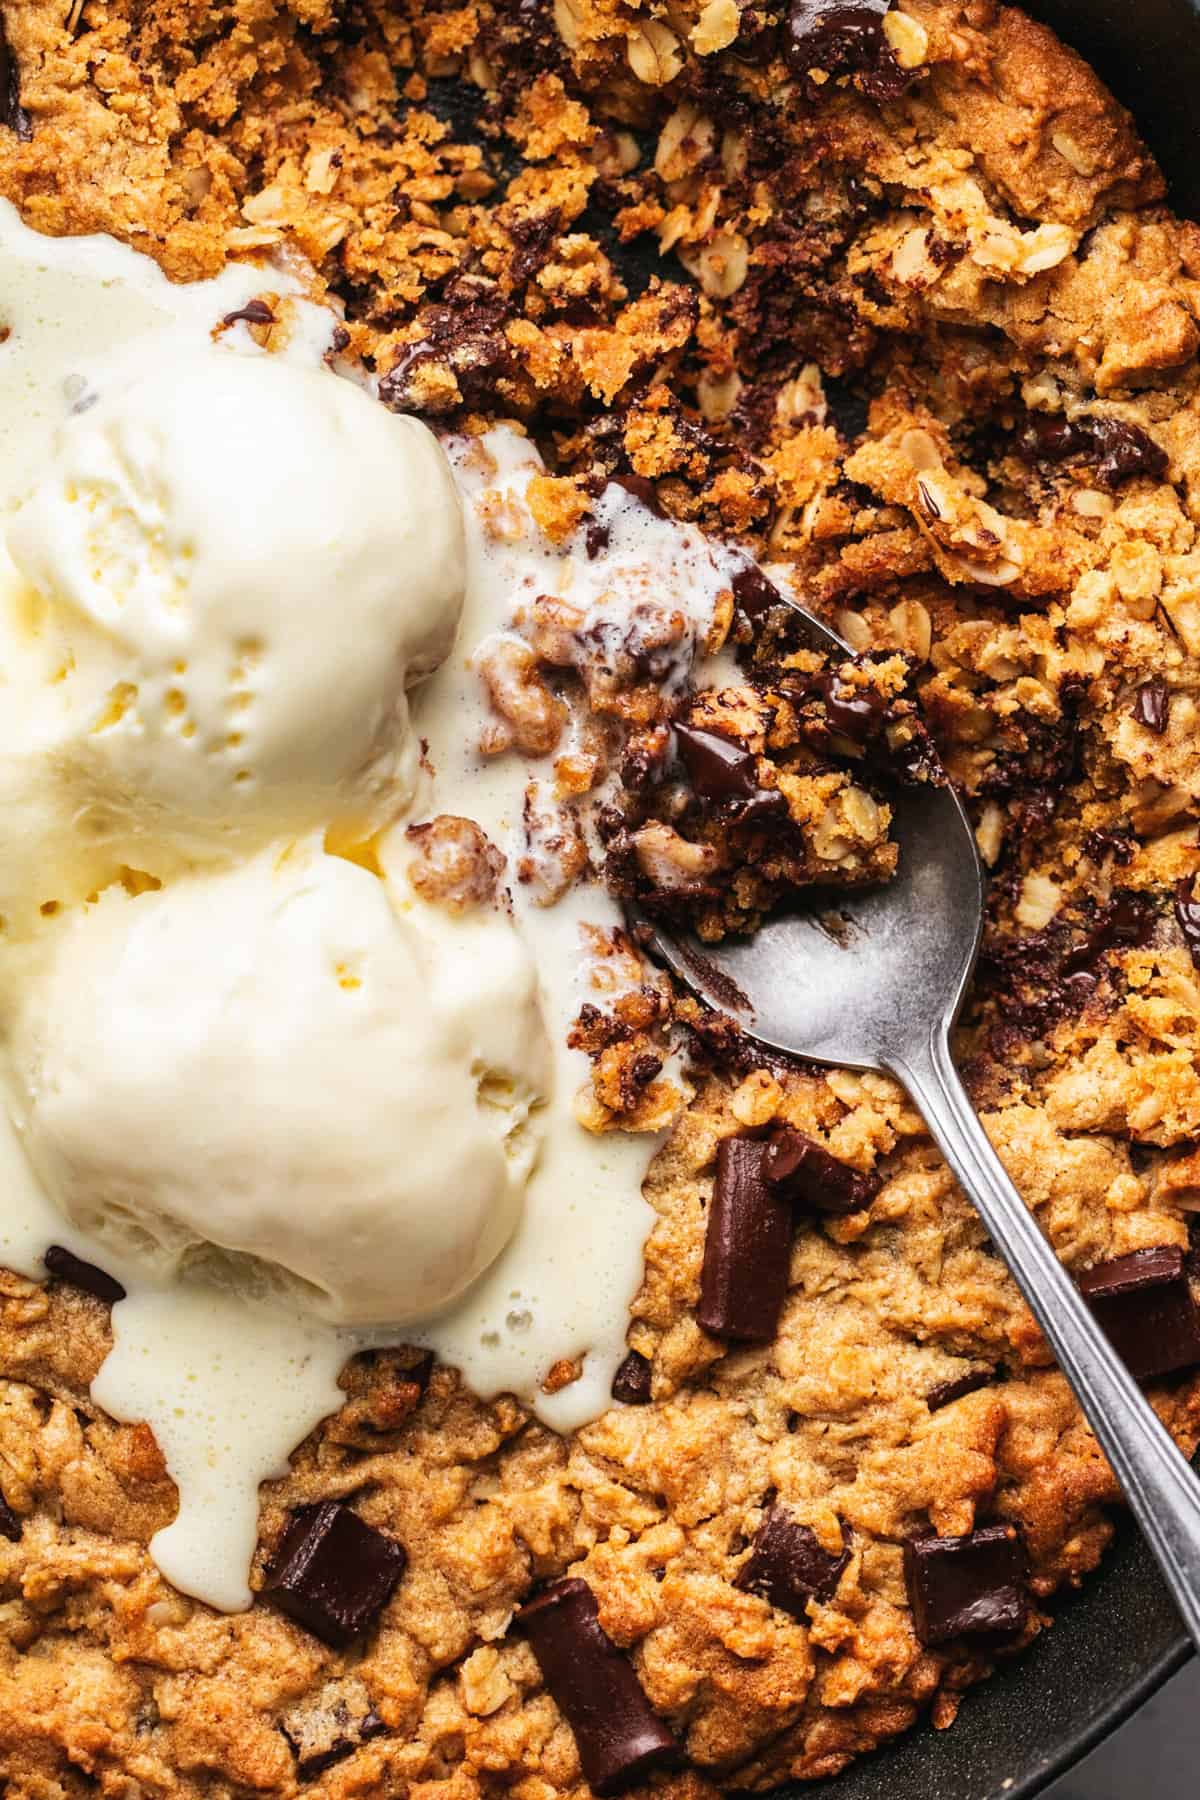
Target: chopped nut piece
{"points": [[533, 715], [653, 52], [455, 864]]}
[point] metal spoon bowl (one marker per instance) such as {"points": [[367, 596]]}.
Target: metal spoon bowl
{"points": [[878, 986]]}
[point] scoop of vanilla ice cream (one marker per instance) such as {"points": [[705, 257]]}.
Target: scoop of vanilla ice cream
{"points": [[279, 1076], [230, 571]]}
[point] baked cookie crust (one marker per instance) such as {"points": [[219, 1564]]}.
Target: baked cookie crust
{"points": [[922, 328]]}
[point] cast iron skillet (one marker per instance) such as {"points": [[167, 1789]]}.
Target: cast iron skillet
{"points": [[1115, 1641]]}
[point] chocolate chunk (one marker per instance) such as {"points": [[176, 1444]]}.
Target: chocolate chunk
{"points": [[1187, 913], [788, 1566], [853, 712], [1125, 921], [757, 39], [255, 312], [746, 1248], [1152, 705], [1125, 451], [753, 594], [767, 806], [618, 1736], [718, 768], [943, 1392], [806, 1175], [1120, 451], [1050, 439], [971, 1586], [68, 1267], [333, 1573], [1144, 1304], [12, 113], [10, 1524], [843, 40], [631, 1383]]}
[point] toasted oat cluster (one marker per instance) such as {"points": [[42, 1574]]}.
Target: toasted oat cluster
{"points": [[890, 298]]}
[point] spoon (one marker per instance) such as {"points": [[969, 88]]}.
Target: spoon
{"points": [[882, 991]]}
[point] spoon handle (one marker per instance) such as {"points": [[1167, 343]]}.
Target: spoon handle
{"points": [[1159, 1487]]}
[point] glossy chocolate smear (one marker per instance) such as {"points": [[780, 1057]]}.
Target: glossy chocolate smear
{"points": [[746, 1248], [718, 768], [66, 1266], [853, 712], [631, 1383], [619, 1737], [805, 1174], [333, 1573], [788, 1566], [843, 40], [1125, 921], [971, 1586], [1144, 1304], [1119, 450], [753, 594]]}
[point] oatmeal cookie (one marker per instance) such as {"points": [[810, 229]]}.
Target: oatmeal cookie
{"points": [[902, 310]]}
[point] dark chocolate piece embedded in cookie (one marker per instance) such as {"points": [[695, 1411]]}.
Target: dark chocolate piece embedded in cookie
{"points": [[10, 1524], [753, 594], [746, 1247], [1187, 915], [1152, 705], [333, 1573], [631, 1383], [807, 1175], [1119, 450], [12, 113], [64, 1265], [972, 1586], [718, 768], [821, 40], [619, 1737], [944, 1392], [788, 1565], [1144, 1303]]}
